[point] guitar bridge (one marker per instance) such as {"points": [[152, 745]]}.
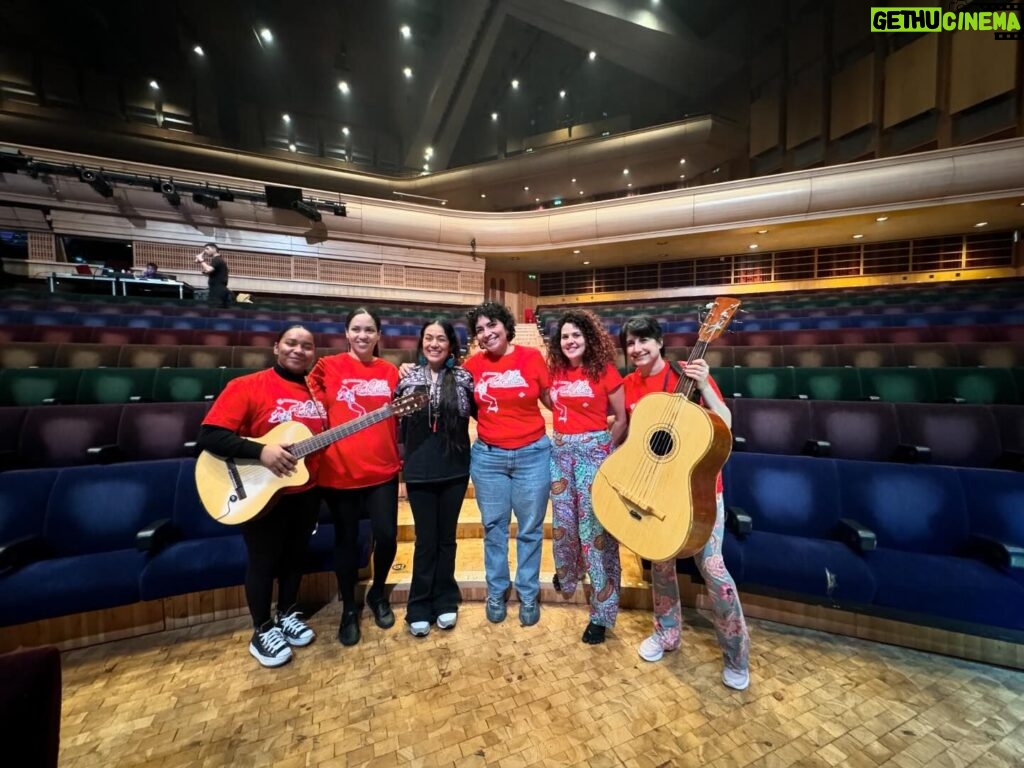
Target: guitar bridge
{"points": [[637, 509], [236, 478]]}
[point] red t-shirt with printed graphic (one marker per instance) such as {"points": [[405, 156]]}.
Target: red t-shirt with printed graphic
{"points": [[580, 403], [252, 405], [506, 390], [636, 386], [350, 388]]}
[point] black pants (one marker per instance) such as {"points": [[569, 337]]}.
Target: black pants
{"points": [[218, 296], [435, 509], [277, 542], [378, 503]]}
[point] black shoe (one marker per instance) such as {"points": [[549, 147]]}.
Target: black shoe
{"points": [[348, 632], [556, 583], [593, 634], [381, 610]]}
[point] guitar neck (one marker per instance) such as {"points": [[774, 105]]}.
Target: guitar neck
{"points": [[686, 384], [324, 439]]}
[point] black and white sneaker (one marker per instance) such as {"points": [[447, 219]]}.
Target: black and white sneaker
{"points": [[269, 647], [295, 630]]}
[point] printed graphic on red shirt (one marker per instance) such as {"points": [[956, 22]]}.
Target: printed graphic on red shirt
{"points": [[296, 410], [505, 380], [569, 389], [351, 389]]}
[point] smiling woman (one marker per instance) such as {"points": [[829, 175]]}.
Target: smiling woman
{"points": [[276, 542]]}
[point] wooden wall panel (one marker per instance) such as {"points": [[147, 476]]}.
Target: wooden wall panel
{"points": [[806, 41], [804, 108], [911, 76], [853, 97], [981, 67]]}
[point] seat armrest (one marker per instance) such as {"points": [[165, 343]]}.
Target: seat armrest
{"points": [[1011, 460], [912, 454], [155, 536], [21, 551], [817, 448], [104, 454], [738, 521], [856, 536], [996, 553], [192, 449], [739, 443]]}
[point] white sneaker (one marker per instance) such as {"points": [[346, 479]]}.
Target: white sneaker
{"points": [[419, 628], [651, 649], [447, 620], [270, 648], [738, 681], [295, 630]]}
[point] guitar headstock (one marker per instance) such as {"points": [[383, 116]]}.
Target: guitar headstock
{"points": [[411, 403], [720, 314]]}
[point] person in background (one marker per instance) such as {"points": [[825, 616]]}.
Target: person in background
{"points": [[359, 474], [585, 388], [276, 541], [436, 471], [509, 461], [641, 340], [213, 265], [150, 272]]}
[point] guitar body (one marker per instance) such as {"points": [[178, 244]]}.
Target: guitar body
{"points": [[656, 492], [235, 491]]}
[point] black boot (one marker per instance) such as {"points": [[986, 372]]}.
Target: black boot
{"points": [[348, 632]]}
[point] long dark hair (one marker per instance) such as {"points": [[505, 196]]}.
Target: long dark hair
{"points": [[453, 437], [376, 321], [600, 349]]}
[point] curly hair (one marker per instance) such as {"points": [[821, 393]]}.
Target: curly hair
{"points": [[494, 311], [600, 349]]}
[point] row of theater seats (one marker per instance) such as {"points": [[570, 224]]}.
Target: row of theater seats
{"points": [[39, 386], [938, 546], [189, 322], [955, 334], [957, 435], [892, 385], [90, 538], [988, 354], [72, 435], [38, 354]]}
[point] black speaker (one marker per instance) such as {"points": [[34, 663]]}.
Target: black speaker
{"points": [[282, 197]]}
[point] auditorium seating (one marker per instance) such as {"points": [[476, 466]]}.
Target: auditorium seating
{"points": [[90, 538], [928, 545]]}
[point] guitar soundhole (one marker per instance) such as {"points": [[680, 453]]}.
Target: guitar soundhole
{"points": [[661, 443]]}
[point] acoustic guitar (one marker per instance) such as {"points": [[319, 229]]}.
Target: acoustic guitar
{"points": [[235, 491], [656, 492]]}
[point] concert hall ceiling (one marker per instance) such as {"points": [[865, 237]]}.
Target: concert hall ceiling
{"points": [[392, 88]]}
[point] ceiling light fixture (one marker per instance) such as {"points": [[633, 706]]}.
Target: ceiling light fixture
{"points": [[170, 193], [515, 84], [575, 250], [199, 50], [625, 171], [581, 191], [483, 195], [981, 224], [406, 31], [585, 263], [343, 86], [592, 55], [344, 130], [682, 161], [630, 184], [292, 148], [762, 231], [267, 35], [154, 85], [752, 246], [494, 119], [407, 72], [286, 117], [561, 94], [97, 181], [682, 175], [573, 180], [857, 237], [882, 218], [526, 189]]}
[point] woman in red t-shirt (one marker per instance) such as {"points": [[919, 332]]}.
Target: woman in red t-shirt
{"points": [[509, 460], [585, 388], [276, 541], [642, 342], [359, 474]]}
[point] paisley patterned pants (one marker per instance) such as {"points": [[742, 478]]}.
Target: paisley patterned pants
{"points": [[581, 544]]}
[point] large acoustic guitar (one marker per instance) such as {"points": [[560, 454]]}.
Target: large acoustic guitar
{"points": [[656, 492], [235, 491]]}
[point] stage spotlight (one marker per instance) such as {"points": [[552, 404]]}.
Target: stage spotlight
{"points": [[306, 209], [205, 199], [97, 181], [339, 209], [171, 193]]}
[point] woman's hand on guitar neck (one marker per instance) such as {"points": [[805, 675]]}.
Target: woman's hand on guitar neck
{"points": [[278, 460], [698, 370]]}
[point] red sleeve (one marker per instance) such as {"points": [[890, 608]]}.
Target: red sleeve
{"points": [[611, 379], [231, 408], [315, 379]]}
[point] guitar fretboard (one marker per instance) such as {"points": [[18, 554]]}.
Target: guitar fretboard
{"points": [[324, 439]]}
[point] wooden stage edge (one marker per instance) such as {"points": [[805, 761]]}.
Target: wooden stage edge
{"points": [[96, 627]]}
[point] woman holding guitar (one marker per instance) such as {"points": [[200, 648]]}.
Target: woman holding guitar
{"points": [[277, 540], [585, 388], [642, 342], [359, 475]]}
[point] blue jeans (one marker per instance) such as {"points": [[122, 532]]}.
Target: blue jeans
{"points": [[507, 481]]}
